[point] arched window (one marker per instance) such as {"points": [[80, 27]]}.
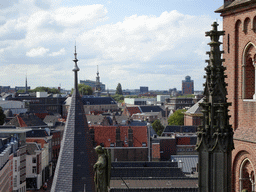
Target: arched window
{"points": [[246, 25], [254, 24], [249, 72], [247, 176]]}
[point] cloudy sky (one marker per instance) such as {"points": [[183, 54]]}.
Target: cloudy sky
{"points": [[153, 43]]}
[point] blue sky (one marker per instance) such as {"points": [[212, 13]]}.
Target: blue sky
{"points": [[153, 43]]}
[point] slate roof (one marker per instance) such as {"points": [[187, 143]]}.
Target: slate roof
{"points": [[233, 4], [74, 170], [145, 172], [31, 147], [27, 120], [195, 109], [146, 109], [50, 119], [155, 185], [98, 100], [179, 129], [94, 119], [188, 162], [37, 133], [92, 100]]}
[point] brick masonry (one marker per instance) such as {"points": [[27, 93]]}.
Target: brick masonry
{"points": [[239, 24]]}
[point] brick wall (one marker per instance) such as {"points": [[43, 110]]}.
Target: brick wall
{"points": [[239, 51]]}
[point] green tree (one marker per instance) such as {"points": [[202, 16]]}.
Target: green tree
{"points": [[84, 89], [177, 118], [45, 89], [158, 127], [2, 116], [118, 98], [119, 89]]}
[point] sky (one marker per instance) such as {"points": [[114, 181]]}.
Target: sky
{"points": [[154, 43]]}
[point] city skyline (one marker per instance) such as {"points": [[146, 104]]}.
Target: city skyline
{"points": [[135, 43]]}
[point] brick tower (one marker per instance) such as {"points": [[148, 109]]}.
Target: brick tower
{"points": [[239, 44]]}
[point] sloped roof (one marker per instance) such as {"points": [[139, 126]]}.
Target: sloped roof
{"points": [[31, 148], [133, 110], [74, 170], [155, 185], [146, 109], [50, 118], [233, 4], [26, 120], [195, 109], [180, 129], [188, 162], [94, 119], [37, 133], [92, 100]]}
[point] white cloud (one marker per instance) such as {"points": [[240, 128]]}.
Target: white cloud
{"points": [[37, 52], [142, 49], [58, 53]]}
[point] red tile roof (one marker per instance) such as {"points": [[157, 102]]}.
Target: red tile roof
{"points": [[133, 110]]}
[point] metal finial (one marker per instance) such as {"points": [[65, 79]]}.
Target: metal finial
{"points": [[75, 60]]}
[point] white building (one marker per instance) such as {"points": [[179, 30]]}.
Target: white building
{"points": [[34, 166], [161, 98], [140, 101]]}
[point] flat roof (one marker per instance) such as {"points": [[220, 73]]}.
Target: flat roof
{"points": [[14, 130]]}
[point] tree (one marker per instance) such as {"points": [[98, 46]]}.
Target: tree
{"points": [[177, 118], [119, 89], [118, 98], [2, 116], [84, 89], [45, 89], [158, 127]]}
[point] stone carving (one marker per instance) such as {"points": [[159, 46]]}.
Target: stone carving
{"points": [[102, 169]]}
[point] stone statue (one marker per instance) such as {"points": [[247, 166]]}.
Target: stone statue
{"points": [[102, 169]]}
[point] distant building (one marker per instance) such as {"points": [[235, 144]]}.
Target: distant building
{"points": [[93, 84], [21, 88], [193, 115], [139, 101], [162, 98], [127, 143], [143, 90], [92, 103], [187, 86], [12, 159], [175, 103]]}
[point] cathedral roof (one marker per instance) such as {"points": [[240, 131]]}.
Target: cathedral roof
{"points": [[74, 170], [234, 4]]}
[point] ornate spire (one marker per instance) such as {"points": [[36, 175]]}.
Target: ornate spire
{"points": [[75, 69], [215, 135], [26, 85], [97, 87]]}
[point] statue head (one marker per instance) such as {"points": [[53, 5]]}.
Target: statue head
{"points": [[99, 149]]}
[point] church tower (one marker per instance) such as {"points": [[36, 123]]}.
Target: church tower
{"points": [[215, 135], [239, 45], [97, 87], [74, 170]]}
